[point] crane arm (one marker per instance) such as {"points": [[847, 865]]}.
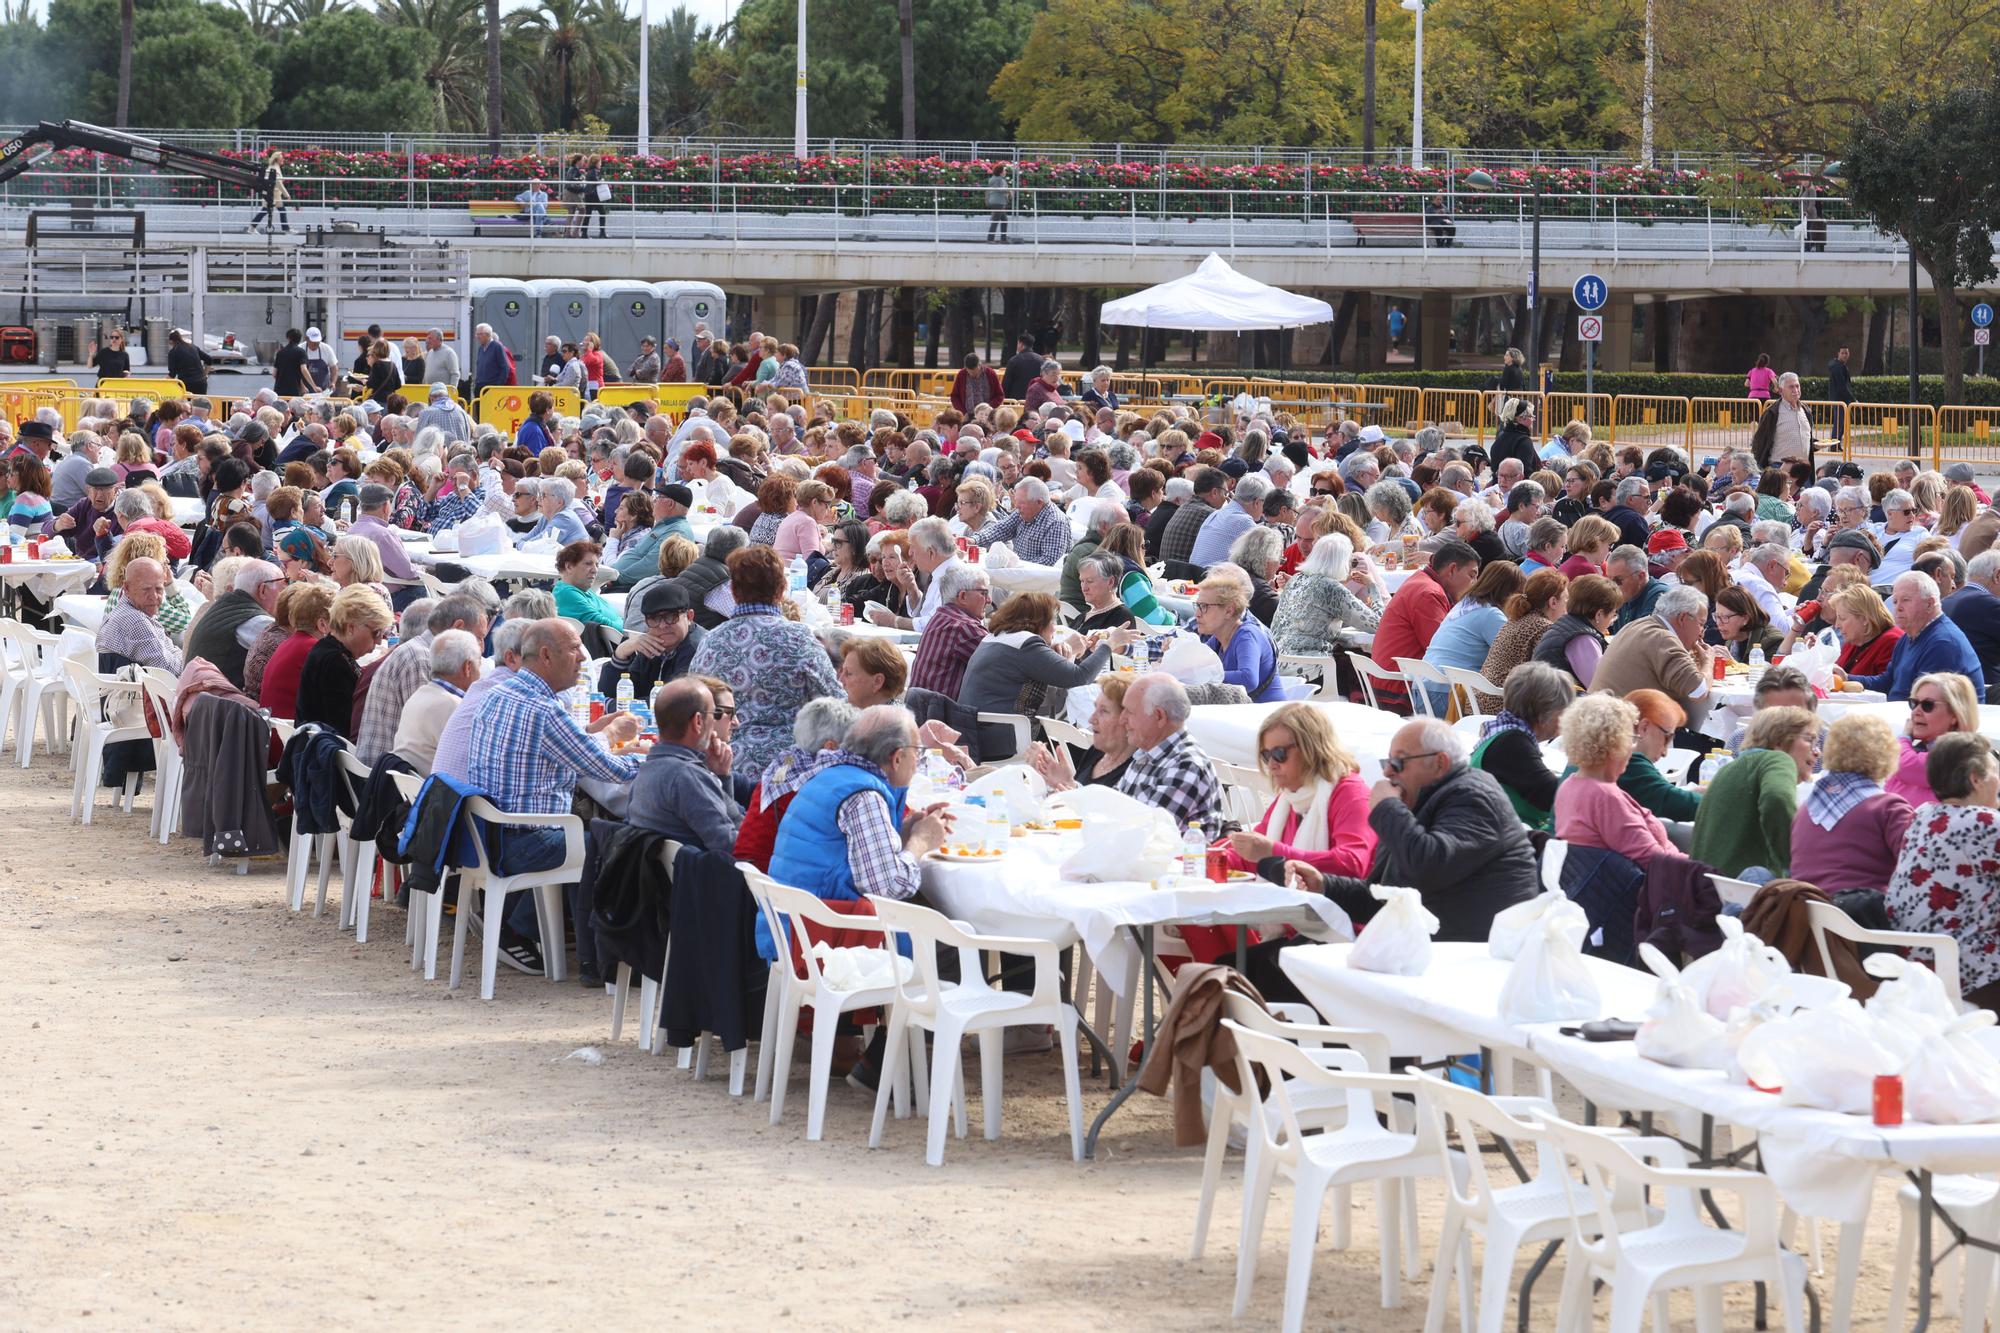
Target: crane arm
{"points": [[24, 150]]}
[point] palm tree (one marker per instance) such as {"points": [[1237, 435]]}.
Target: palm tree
{"points": [[267, 17], [454, 70], [680, 105], [127, 37], [583, 50], [298, 11]]}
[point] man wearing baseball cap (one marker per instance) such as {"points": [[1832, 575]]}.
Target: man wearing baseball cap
{"points": [[320, 366], [1665, 549], [641, 558], [447, 416], [662, 651]]}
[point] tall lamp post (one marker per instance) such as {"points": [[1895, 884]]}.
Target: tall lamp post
{"points": [[799, 105], [1482, 181], [1417, 90], [645, 80]]}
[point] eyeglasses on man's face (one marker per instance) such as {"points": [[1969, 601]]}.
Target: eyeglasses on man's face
{"points": [[1395, 764]]}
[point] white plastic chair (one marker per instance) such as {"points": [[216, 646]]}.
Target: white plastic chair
{"points": [[40, 696], [972, 1007], [1363, 1149], [302, 851], [1974, 1203], [482, 884], [780, 973], [358, 860], [1470, 687], [1679, 1249], [1320, 670], [1736, 891], [1421, 676], [157, 686], [1024, 734], [1246, 792], [805, 986], [1826, 919], [98, 701], [1317, 1107], [1371, 674], [1505, 1216], [1064, 733]]}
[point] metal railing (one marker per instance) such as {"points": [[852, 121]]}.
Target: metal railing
{"points": [[895, 211], [956, 150]]}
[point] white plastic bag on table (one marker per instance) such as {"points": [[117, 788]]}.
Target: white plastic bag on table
{"points": [[541, 546], [1952, 1079], [1015, 790], [482, 534], [1742, 1024], [1743, 971], [1000, 555], [1826, 1058], [1816, 657], [1909, 993], [1191, 662], [1549, 981], [1397, 939], [1512, 927], [1123, 839], [1677, 1030]]}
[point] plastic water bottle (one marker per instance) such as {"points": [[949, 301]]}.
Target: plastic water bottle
{"points": [[796, 573], [999, 833], [1757, 659], [347, 510], [1194, 853], [625, 694]]}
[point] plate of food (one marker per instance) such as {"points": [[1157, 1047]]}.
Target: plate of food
{"points": [[973, 855]]}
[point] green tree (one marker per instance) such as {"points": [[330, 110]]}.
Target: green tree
{"points": [[679, 103], [1789, 79], [583, 50], [1533, 73], [855, 67], [344, 69], [217, 80], [1216, 71], [455, 75], [1929, 171]]}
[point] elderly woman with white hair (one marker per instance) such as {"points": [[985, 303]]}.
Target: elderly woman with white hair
{"points": [[1257, 553], [1098, 392], [1222, 618], [1316, 603], [1592, 810], [1390, 516], [559, 523]]}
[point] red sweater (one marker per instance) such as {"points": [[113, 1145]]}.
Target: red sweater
{"points": [[1408, 624], [1872, 657], [279, 690], [758, 833], [1353, 840]]}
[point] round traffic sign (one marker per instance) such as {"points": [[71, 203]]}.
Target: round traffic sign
{"points": [[1982, 316], [1590, 292]]}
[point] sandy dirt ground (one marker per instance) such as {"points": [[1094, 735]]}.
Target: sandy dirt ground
{"points": [[220, 1115]]}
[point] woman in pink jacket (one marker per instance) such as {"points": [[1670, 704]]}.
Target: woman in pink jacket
{"points": [[1320, 815]]}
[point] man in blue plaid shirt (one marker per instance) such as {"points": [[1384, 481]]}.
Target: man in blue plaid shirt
{"points": [[447, 509], [1038, 531], [526, 753], [1168, 769]]}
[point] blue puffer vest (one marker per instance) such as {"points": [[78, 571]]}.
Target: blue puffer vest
{"points": [[811, 851]]}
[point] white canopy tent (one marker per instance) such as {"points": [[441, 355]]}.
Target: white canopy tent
{"points": [[1215, 298]]}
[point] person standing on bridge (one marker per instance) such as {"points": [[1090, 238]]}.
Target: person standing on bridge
{"points": [[275, 194], [999, 202]]}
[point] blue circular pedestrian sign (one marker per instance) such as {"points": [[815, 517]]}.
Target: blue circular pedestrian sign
{"points": [[1590, 292], [1982, 316]]}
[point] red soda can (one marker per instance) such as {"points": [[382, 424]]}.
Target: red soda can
{"points": [[1888, 1099], [6, 553], [1721, 667], [34, 548], [1218, 862], [847, 613], [596, 709]]}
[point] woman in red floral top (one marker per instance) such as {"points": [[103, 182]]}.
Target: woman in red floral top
{"points": [[1947, 881]]}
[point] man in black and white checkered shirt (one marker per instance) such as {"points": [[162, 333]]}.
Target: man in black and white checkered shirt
{"points": [[1168, 769]]}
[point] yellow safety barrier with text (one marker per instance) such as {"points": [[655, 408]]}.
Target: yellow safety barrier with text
{"points": [[1647, 420], [506, 407]]}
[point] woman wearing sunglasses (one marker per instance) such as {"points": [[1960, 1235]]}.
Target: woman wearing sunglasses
{"points": [[1940, 703], [358, 621], [1320, 813]]}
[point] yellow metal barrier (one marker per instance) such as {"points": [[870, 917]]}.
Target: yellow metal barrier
{"points": [[1397, 409], [132, 386], [1459, 413], [21, 399], [1892, 430], [1969, 434], [623, 395], [506, 406], [1718, 426], [836, 377], [1646, 420], [1592, 409]]}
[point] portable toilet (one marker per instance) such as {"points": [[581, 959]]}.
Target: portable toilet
{"points": [[627, 310], [508, 306], [687, 303], [567, 308]]}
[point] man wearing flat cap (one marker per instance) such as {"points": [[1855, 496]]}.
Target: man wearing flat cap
{"points": [[662, 652]]}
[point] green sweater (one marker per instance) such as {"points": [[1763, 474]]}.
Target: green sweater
{"points": [[577, 604], [1746, 816], [1644, 784]]}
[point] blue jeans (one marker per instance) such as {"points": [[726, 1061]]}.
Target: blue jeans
{"points": [[517, 851]]}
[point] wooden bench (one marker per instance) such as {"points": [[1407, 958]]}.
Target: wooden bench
{"points": [[1401, 228], [507, 213]]}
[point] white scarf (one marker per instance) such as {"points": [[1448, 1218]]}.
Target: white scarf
{"points": [[1309, 804]]}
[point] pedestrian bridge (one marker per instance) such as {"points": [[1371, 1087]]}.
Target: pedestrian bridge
{"points": [[1680, 246]]}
